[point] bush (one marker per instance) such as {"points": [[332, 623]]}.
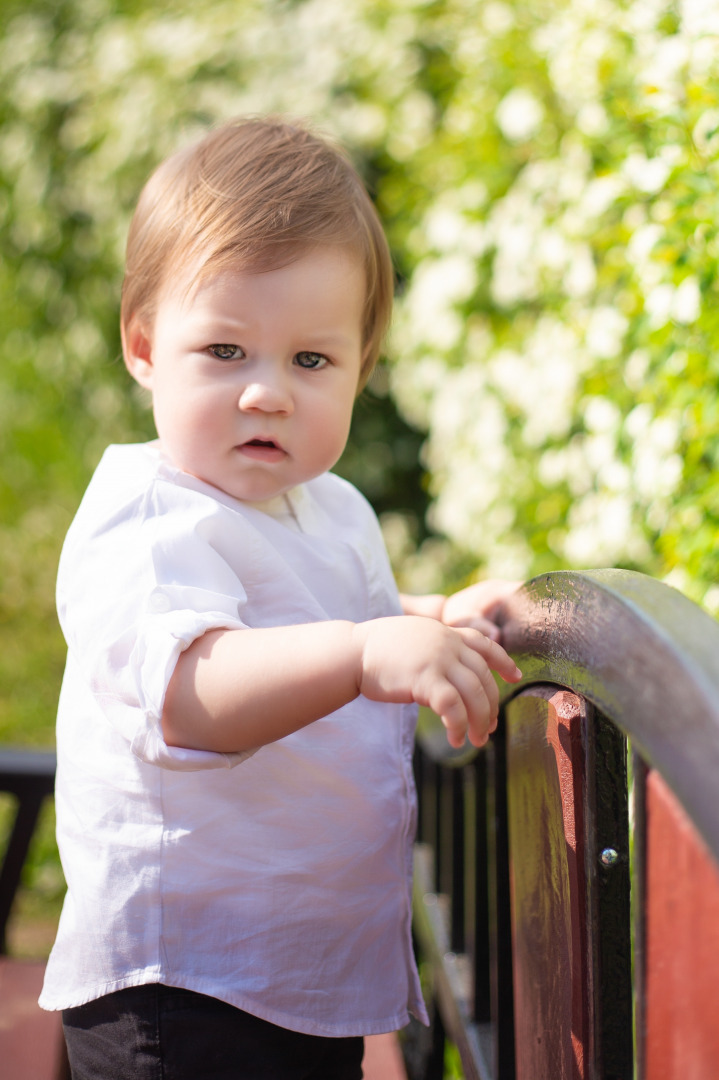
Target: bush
{"points": [[547, 172]]}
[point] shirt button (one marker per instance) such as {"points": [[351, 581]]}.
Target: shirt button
{"points": [[159, 602]]}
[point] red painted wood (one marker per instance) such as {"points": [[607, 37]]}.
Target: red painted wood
{"points": [[31, 1042], [681, 977], [383, 1058], [545, 773]]}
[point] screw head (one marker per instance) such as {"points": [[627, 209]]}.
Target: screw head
{"points": [[609, 857]]}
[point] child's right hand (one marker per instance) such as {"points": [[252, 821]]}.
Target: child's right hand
{"points": [[409, 658]]}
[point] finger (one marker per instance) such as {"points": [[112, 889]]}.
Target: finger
{"points": [[477, 622], [496, 657], [478, 690], [481, 672], [480, 666], [484, 709], [447, 702]]}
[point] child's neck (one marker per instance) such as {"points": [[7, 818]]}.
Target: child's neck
{"points": [[281, 507]]}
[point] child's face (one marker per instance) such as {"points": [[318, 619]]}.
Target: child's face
{"points": [[253, 376]]}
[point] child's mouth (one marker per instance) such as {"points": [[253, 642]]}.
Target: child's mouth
{"points": [[262, 450]]}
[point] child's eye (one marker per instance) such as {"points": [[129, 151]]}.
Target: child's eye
{"points": [[226, 352], [311, 360]]}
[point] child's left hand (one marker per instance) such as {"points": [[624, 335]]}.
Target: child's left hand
{"points": [[477, 605]]}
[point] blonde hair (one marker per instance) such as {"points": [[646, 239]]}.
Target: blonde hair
{"points": [[255, 194]]}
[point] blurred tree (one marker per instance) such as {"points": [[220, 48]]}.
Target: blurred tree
{"points": [[92, 96], [547, 171]]}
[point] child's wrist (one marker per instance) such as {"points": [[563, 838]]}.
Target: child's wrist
{"points": [[438, 601], [430, 605]]}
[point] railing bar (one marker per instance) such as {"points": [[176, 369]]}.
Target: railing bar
{"points": [[21, 834], [481, 959], [613, 909], [470, 868], [637, 871], [435, 1063], [438, 825], [502, 975], [457, 848]]}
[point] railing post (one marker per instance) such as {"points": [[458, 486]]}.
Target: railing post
{"points": [[482, 1009], [612, 902], [501, 979], [457, 899]]}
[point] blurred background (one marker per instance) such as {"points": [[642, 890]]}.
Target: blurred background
{"points": [[547, 174]]}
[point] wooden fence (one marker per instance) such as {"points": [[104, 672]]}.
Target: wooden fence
{"points": [[567, 876]]}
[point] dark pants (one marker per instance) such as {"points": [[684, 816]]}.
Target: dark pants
{"points": [[156, 1032]]}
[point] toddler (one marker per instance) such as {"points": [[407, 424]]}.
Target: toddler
{"points": [[235, 801]]}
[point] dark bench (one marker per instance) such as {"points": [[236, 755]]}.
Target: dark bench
{"points": [[567, 885], [31, 1043]]}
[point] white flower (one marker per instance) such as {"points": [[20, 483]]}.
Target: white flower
{"points": [[658, 305], [540, 381], [592, 119], [601, 415], [602, 531], [643, 242], [666, 58], [711, 600], [646, 174], [686, 306], [703, 56], [415, 382], [665, 302], [581, 274], [657, 467], [699, 17], [599, 193], [519, 115], [636, 368], [552, 249], [706, 132], [444, 228], [498, 18], [436, 287], [605, 332]]}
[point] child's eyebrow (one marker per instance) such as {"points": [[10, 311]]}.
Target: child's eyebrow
{"points": [[213, 325], [216, 327], [330, 338]]}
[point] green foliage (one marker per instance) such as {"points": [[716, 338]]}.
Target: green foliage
{"points": [[92, 96], [557, 338], [452, 1063]]}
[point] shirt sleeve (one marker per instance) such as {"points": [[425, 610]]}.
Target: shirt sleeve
{"points": [[135, 589]]}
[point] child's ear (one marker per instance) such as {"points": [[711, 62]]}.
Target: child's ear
{"points": [[137, 352]]}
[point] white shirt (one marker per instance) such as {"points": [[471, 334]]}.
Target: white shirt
{"points": [[279, 880]]}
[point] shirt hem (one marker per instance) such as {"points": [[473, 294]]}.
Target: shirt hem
{"points": [[272, 1016]]}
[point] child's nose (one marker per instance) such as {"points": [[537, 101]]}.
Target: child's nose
{"points": [[266, 395]]}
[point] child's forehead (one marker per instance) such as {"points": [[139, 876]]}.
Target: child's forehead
{"points": [[204, 274]]}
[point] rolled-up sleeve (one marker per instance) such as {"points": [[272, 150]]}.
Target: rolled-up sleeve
{"points": [[134, 591]]}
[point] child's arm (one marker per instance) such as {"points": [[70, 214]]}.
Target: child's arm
{"points": [[474, 606], [235, 690]]}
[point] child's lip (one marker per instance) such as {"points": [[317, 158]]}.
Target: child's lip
{"points": [[262, 449]]}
